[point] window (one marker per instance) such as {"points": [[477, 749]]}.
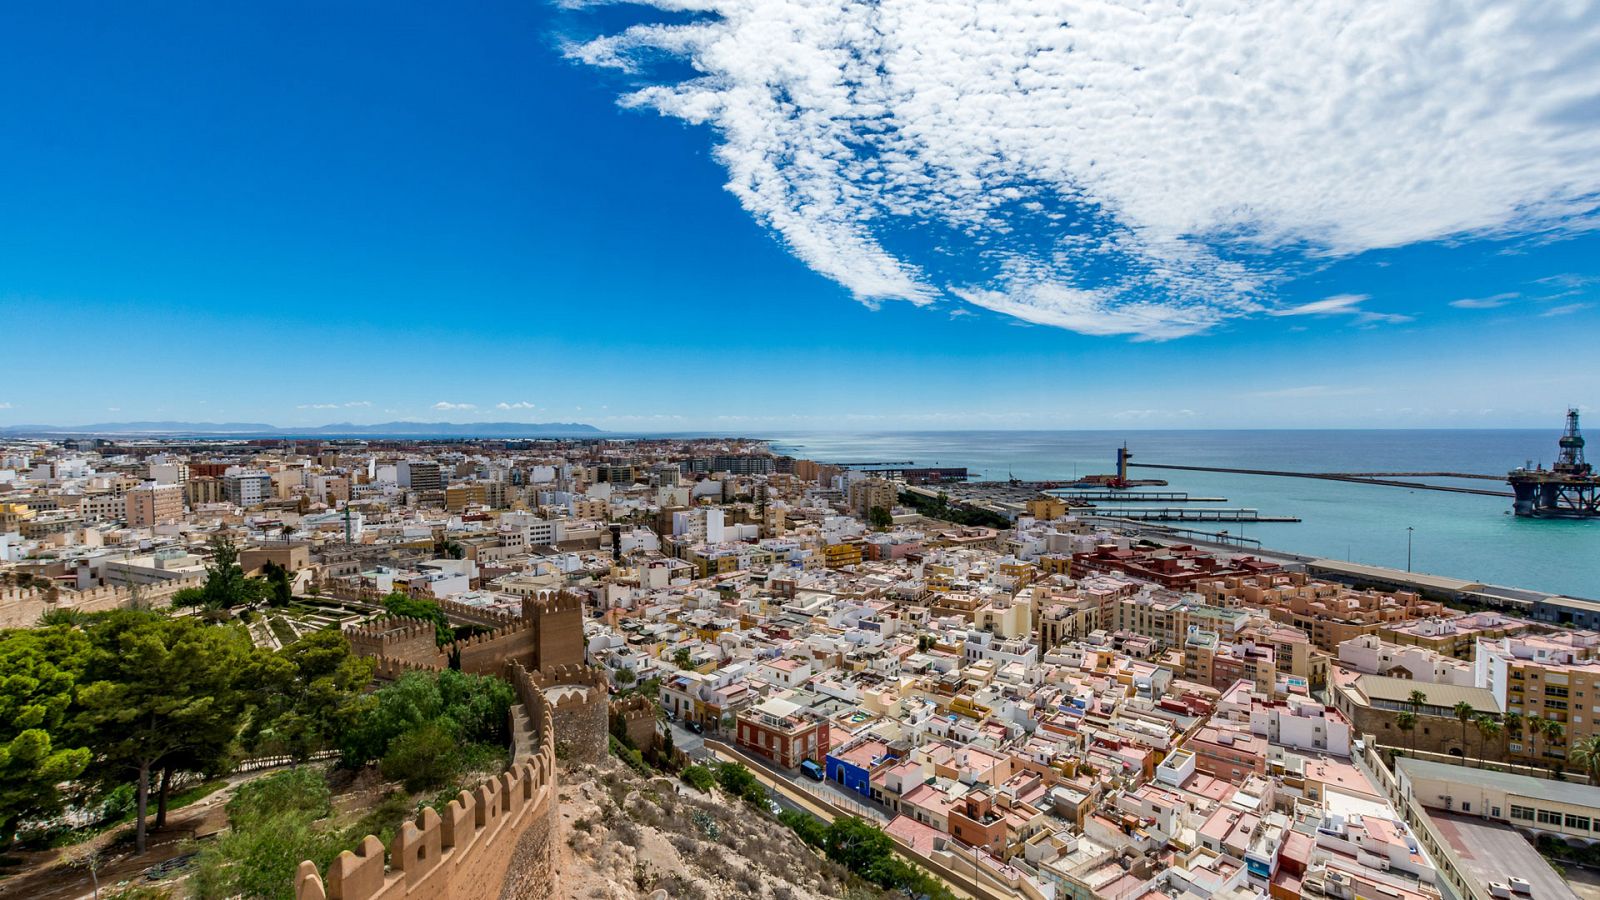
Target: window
{"points": [[1577, 823], [1522, 812], [1546, 817]]}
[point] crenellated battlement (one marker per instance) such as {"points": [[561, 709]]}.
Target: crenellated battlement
{"points": [[638, 716], [398, 640], [461, 613], [552, 602], [22, 607], [573, 674], [491, 842], [390, 669]]}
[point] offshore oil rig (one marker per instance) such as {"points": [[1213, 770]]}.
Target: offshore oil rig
{"points": [[1567, 490]]}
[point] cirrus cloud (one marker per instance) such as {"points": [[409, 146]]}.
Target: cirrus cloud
{"points": [[1119, 168]]}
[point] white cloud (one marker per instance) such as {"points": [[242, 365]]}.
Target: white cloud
{"points": [[1495, 302], [446, 406], [1157, 149], [520, 404], [6, 405], [1342, 305], [1337, 304], [1564, 309]]}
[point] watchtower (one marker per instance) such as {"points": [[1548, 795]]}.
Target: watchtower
{"points": [[557, 620]]}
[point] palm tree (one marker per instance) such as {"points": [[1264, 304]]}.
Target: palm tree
{"points": [[1407, 722], [1513, 731], [1585, 753], [1463, 711], [1487, 728], [1416, 699], [1553, 732]]}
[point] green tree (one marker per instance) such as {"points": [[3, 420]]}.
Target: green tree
{"points": [[855, 844], [399, 603], [699, 778], [424, 758], [1417, 699], [280, 592], [39, 669], [272, 826], [157, 692], [879, 517], [740, 782], [1554, 734], [308, 694], [1407, 722], [472, 709], [226, 586], [1513, 730], [1488, 728], [683, 658], [1463, 711], [1585, 754]]}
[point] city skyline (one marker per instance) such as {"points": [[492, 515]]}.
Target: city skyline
{"points": [[281, 216]]}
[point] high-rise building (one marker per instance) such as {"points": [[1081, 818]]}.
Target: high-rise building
{"points": [[154, 504], [418, 475], [872, 493], [247, 488]]}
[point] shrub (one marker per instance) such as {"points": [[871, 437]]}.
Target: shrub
{"points": [[699, 778], [272, 826], [422, 759]]}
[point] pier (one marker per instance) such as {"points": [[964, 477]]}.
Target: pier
{"points": [[1134, 496], [1333, 476], [1190, 514]]}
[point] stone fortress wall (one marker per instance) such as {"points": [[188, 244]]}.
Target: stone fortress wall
{"points": [[495, 842], [492, 843], [23, 607]]}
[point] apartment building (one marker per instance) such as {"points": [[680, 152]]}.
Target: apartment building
{"points": [[154, 504], [871, 493], [784, 732], [251, 487]]}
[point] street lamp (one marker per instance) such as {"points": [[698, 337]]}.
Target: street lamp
{"points": [[1409, 529]]}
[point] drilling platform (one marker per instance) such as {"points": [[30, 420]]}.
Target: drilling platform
{"points": [[1567, 490]]}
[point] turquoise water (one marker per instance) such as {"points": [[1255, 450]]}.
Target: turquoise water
{"points": [[1459, 535]]}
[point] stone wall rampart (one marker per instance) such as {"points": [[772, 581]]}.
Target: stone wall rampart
{"points": [[492, 843]]}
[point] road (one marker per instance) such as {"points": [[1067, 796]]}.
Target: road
{"points": [[687, 741], [800, 793]]}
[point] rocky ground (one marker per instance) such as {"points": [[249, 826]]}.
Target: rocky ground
{"points": [[621, 836]]}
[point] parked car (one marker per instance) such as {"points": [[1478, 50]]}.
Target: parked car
{"points": [[696, 727], [812, 770]]}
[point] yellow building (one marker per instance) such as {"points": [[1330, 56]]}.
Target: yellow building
{"points": [[844, 553], [1047, 508]]}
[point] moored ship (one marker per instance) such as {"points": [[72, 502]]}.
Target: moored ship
{"points": [[1567, 490]]}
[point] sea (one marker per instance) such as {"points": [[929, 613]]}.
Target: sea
{"points": [[1458, 535]]}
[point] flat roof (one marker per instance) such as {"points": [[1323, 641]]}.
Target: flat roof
{"points": [[1522, 785], [1398, 690], [1397, 576], [1494, 852]]}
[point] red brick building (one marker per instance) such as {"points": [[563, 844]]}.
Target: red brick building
{"points": [[783, 732]]}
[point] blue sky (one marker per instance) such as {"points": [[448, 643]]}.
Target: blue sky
{"points": [[313, 213]]}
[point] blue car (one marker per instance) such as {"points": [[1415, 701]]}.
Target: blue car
{"points": [[811, 769]]}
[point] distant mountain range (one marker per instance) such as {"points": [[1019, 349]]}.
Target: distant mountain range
{"points": [[341, 429]]}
